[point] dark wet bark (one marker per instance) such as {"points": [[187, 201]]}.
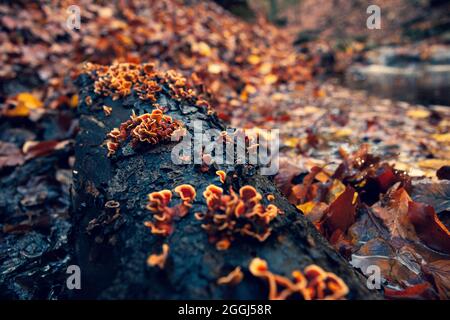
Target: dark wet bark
{"points": [[113, 257]]}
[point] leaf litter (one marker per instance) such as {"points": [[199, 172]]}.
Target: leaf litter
{"points": [[381, 205]]}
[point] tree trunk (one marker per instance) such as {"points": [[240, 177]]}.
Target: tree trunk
{"points": [[113, 258]]}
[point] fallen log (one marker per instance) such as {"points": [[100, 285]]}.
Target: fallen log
{"points": [[110, 195]]}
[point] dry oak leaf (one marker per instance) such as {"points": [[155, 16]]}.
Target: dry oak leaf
{"points": [[428, 226], [440, 272], [395, 214], [340, 215]]}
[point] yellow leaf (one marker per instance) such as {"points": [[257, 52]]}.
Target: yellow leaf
{"points": [[418, 113], [319, 93], [127, 41], [433, 163], [355, 197], [29, 101], [265, 68], [250, 89], [291, 142], [445, 137], [310, 109], [18, 111], [105, 12], [343, 133], [204, 49], [214, 68], [270, 79], [25, 102], [253, 59], [278, 96], [74, 101], [306, 207], [322, 177], [337, 188]]}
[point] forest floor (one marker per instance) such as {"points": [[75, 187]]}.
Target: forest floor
{"points": [[391, 157]]}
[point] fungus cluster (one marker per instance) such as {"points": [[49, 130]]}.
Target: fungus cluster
{"points": [[312, 284], [150, 128], [118, 80], [122, 79], [177, 85], [232, 214], [164, 215]]}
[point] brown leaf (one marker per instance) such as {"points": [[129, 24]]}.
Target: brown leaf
{"points": [[435, 194], [10, 155], [418, 291], [428, 226], [341, 213], [33, 149], [395, 215], [440, 271]]}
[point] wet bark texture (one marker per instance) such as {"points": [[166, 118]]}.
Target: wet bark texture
{"points": [[113, 256]]}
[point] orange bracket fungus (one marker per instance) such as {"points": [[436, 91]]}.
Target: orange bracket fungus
{"points": [[121, 79], [312, 284], [163, 214], [159, 260], [107, 110], [222, 175], [147, 128], [233, 278], [229, 215]]}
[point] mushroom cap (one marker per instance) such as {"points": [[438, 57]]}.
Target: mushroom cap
{"points": [[222, 175], [161, 198], [159, 259], [186, 192], [258, 267]]}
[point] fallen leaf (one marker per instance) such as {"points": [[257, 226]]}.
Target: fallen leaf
{"points": [[418, 113], [445, 137], [24, 103], [433, 193], [214, 68], [418, 291], [440, 271], [270, 79], [313, 211], [33, 149], [428, 226], [395, 214], [434, 164], [203, 49], [10, 155], [253, 59], [340, 215]]}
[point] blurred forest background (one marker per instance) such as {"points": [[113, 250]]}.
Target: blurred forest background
{"points": [[374, 102]]}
